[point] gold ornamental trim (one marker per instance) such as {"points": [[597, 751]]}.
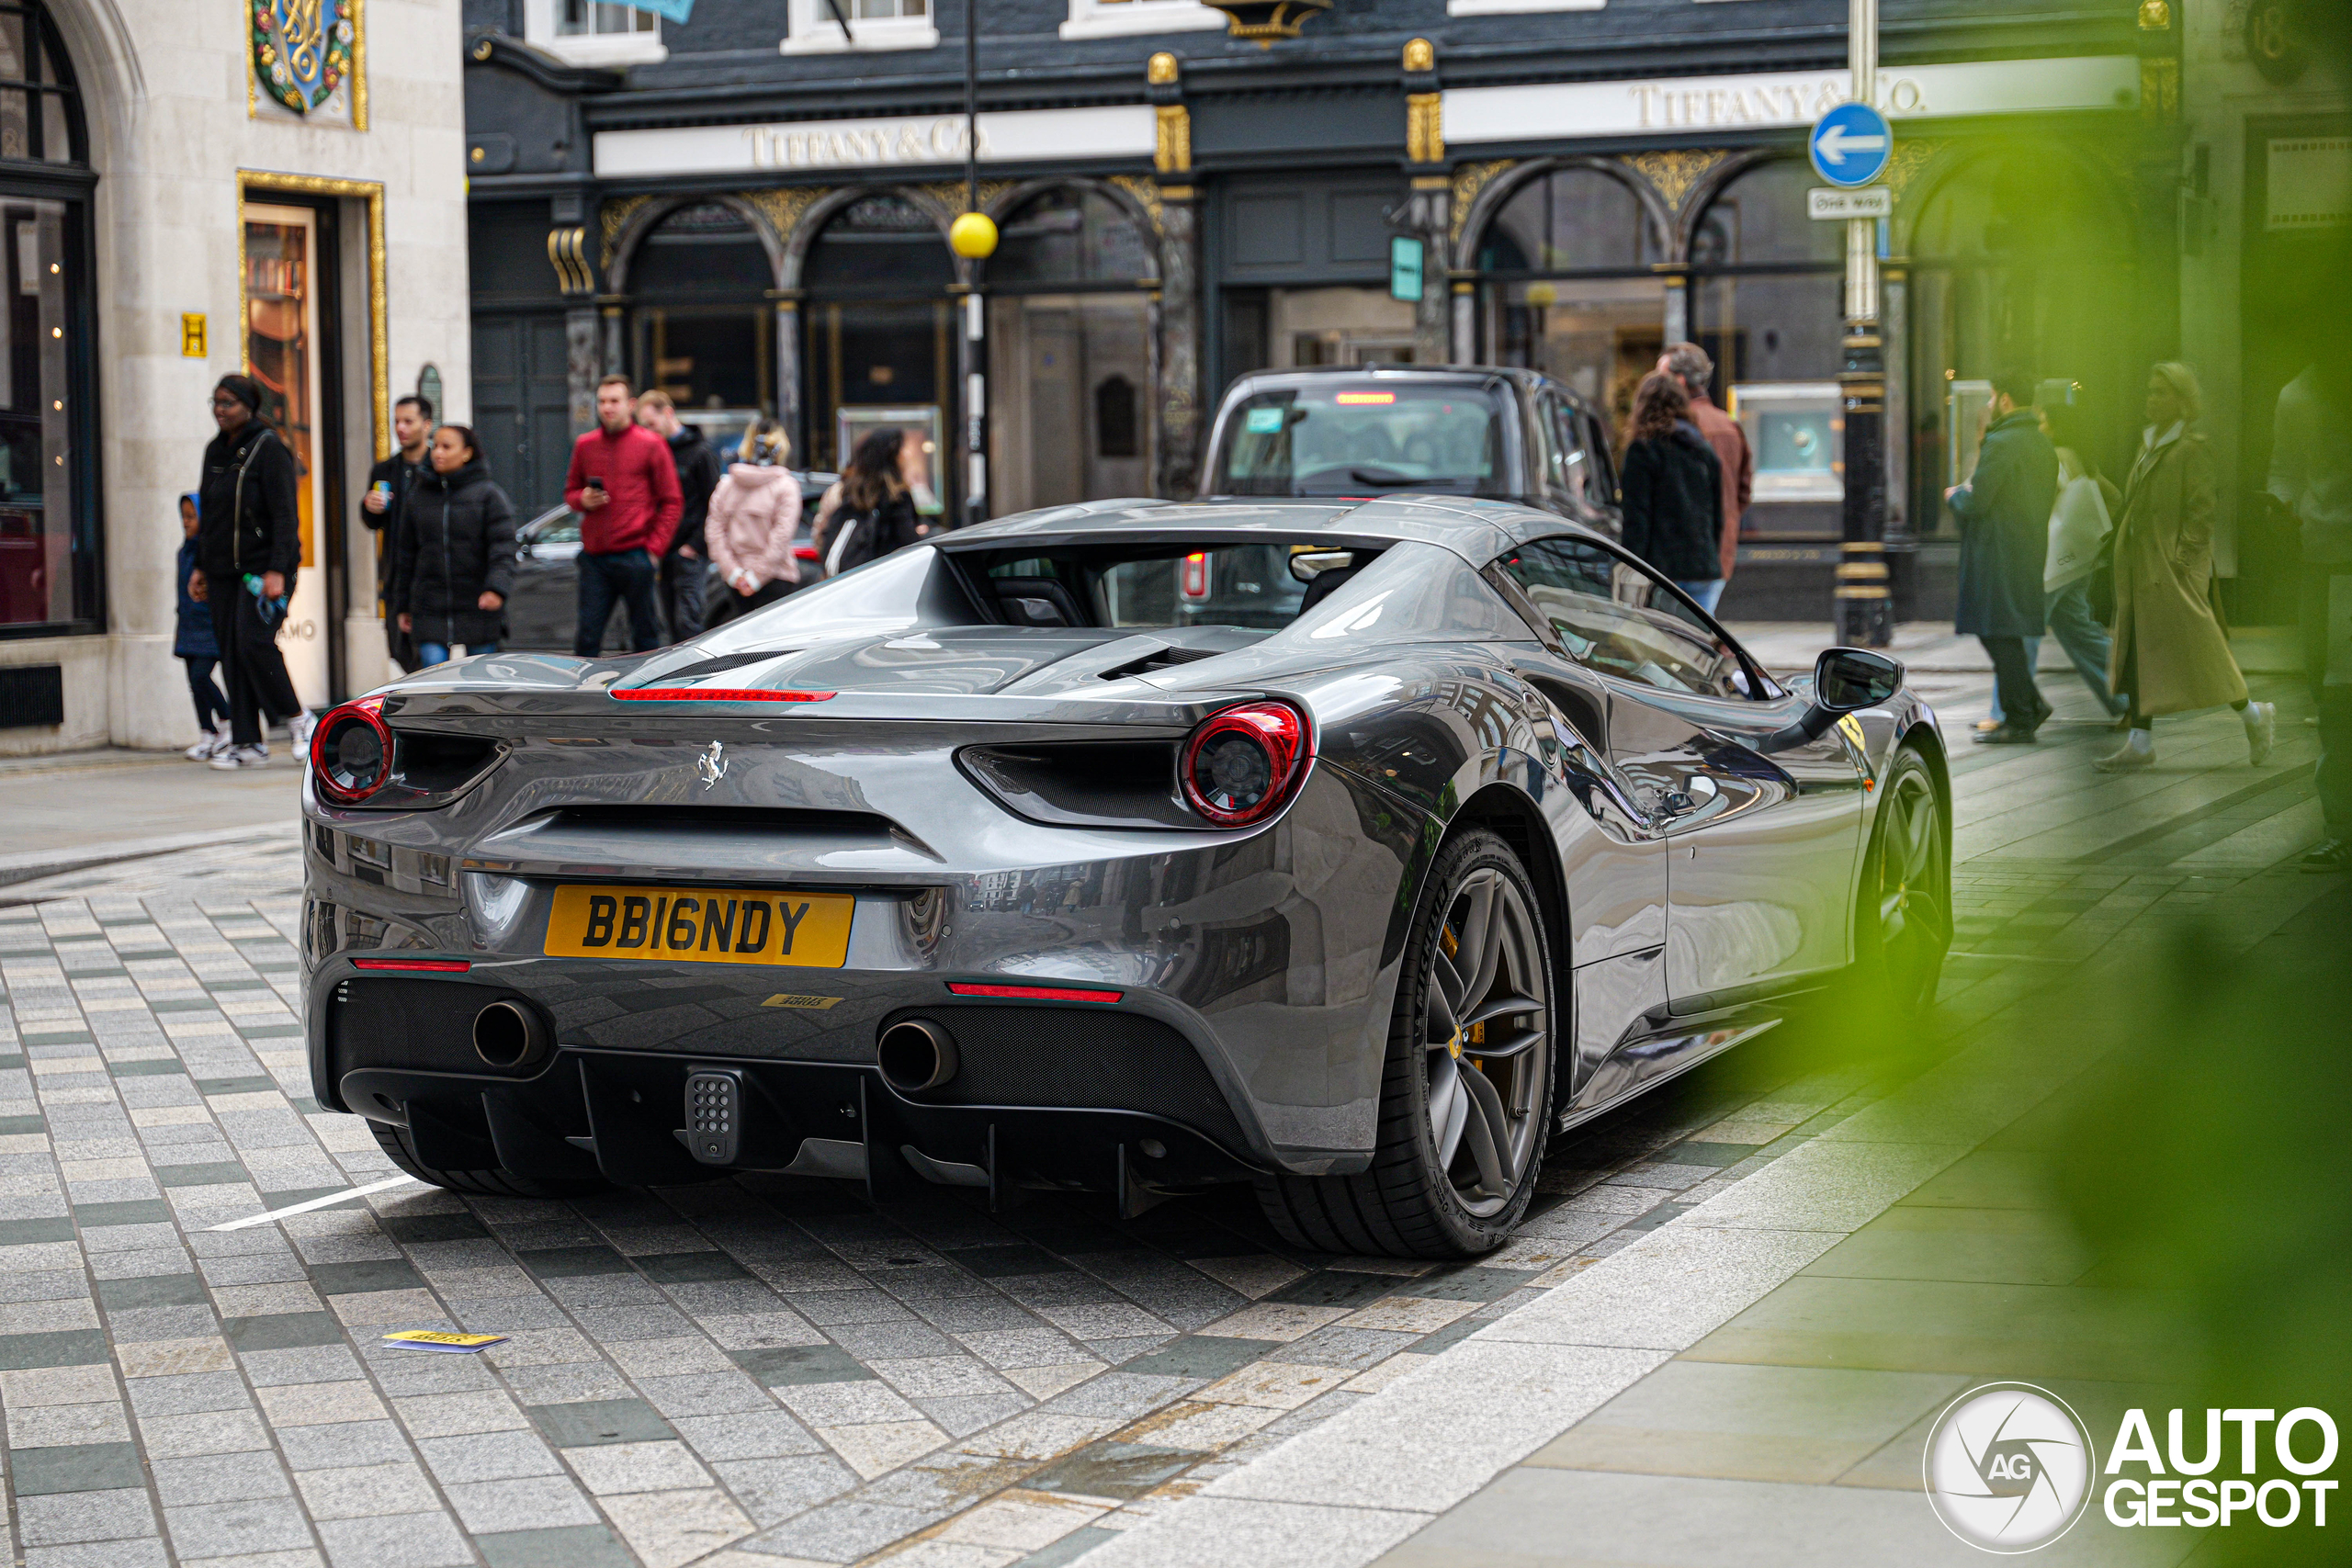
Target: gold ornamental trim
{"points": [[782, 206], [1148, 195], [1421, 55], [380, 386], [1672, 175], [1425, 128], [613, 218], [1161, 69], [568, 253], [1173, 153], [1469, 179]]}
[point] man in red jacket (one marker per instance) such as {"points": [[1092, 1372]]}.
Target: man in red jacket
{"points": [[625, 487]]}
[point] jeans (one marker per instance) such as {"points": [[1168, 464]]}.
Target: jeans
{"points": [[259, 689], [683, 583], [2069, 611], [1706, 592], [2021, 703], [626, 575], [431, 653], [211, 707]]}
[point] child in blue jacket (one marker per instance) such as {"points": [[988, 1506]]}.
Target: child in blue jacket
{"points": [[196, 650]]}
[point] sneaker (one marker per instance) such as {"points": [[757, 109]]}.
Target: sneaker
{"points": [[2006, 735], [2333, 855], [1987, 726], [2261, 731], [212, 745], [2124, 761], [236, 757], [299, 726]]}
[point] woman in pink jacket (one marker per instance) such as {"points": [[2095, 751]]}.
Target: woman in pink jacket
{"points": [[754, 516]]}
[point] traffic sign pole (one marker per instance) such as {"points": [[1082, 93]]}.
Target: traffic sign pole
{"points": [[1865, 605]]}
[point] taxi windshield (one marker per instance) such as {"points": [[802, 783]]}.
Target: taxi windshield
{"points": [[1344, 437]]}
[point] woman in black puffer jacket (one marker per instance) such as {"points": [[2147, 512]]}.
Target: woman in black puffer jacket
{"points": [[1672, 492], [457, 553]]}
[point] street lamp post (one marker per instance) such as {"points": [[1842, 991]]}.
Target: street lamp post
{"points": [[1865, 610], [973, 238]]}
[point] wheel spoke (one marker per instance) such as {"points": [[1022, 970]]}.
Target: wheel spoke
{"points": [[1449, 1107], [1893, 920], [1490, 1133], [1445, 1020], [1518, 1043], [1501, 1007], [1488, 922], [1920, 848]]}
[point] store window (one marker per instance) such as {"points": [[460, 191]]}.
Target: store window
{"points": [[1119, 19], [1570, 288], [700, 283], [1766, 303], [2016, 261], [594, 32], [879, 349], [824, 27], [1069, 351], [48, 522]]}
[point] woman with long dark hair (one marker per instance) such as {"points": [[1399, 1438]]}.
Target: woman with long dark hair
{"points": [[1673, 491], [876, 513], [456, 552]]}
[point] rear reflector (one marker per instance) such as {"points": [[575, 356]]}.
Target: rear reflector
{"points": [[1034, 993], [430, 965], [715, 694]]}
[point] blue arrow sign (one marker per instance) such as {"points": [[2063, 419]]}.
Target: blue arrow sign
{"points": [[1850, 144]]}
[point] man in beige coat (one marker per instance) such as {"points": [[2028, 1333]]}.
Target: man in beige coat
{"points": [[2171, 655]]}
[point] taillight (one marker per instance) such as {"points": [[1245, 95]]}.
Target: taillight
{"points": [[351, 751], [1196, 575], [1242, 765]]}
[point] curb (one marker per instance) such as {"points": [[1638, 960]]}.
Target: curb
{"points": [[16, 869]]}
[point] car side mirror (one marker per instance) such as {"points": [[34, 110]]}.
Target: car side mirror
{"points": [[1844, 680]]}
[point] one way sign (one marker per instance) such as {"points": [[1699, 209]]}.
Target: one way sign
{"points": [[1850, 144]]}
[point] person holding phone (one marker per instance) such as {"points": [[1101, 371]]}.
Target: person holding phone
{"points": [[625, 487], [389, 484]]}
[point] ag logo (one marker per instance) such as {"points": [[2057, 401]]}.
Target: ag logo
{"points": [[2009, 1467]]}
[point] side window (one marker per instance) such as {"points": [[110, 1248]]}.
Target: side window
{"points": [[1615, 618], [1604, 468], [1571, 463]]}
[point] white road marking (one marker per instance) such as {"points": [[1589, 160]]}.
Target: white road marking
{"points": [[308, 1204]]}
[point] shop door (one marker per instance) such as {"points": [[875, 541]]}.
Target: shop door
{"points": [[523, 407], [284, 275]]}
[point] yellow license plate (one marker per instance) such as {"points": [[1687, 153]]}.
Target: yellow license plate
{"points": [[701, 925]]}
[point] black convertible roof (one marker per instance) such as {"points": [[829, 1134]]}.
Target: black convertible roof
{"points": [[1477, 530]]}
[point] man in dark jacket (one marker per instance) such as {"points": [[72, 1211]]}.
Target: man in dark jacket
{"points": [[390, 483], [249, 545], [685, 567], [625, 488], [2004, 512]]}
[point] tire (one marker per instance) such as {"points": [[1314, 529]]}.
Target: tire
{"points": [[1430, 1191], [492, 1183], [1903, 909]]}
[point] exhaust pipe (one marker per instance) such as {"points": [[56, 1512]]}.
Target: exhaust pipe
{"points": [[916, 1054], [508, 1034]]}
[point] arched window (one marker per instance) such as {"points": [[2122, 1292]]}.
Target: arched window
{"points": [[879, 245], [1070, 352], [1760, 220], [2015, 262], [49, 558], [1574, 293], [1068, 236], [706, 341], [880, 349]]}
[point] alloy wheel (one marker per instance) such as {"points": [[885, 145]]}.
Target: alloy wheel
{"points": [[1913, 925], [1487, 1041]]}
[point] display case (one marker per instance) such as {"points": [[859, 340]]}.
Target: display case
{"points": [[1798, 436]]}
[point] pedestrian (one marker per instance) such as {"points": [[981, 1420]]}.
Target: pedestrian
{"points": [[2311, 475], [456, 563], [2004, 512], [1690, 368], [1672, 489], [685, 566], [2171, 654], [2080, 522], [193, 642], [625, 488], [249, 549], [876, 510], [755, 522], [389, 484]]}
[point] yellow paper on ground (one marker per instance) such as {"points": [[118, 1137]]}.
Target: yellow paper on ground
{"points": [[437, 1339]]}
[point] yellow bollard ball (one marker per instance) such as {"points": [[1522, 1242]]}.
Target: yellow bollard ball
{"points": [[972, 236]]}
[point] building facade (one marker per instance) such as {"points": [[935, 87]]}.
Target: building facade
{"points": [[750, 211], [193, 187]]}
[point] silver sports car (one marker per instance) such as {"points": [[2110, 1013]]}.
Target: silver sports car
{"points": [[1350, 849]]}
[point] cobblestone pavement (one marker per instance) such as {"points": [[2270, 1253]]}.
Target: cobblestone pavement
{"points": [[767, 1370]]}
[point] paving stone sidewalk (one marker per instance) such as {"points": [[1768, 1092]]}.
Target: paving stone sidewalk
{"points": [[759, 1372]]}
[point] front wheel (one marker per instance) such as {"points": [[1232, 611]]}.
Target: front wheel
{"points": [[1903, 916], [1467, 1092]]}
